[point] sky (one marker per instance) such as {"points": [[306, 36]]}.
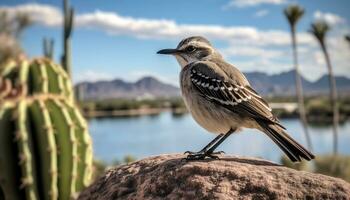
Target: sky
{"points": [[120, 38]]}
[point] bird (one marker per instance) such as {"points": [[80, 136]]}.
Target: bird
{"points": [[222, 101]]}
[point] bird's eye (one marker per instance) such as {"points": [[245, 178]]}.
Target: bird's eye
{"points": [[190, 49]]}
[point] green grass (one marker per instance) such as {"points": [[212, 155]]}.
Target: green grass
{"points": [[128, 104], [318, 109], [330, 165], [100, 167], [336, 166]]}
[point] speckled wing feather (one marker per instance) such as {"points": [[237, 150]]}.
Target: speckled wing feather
{"points": [[234, 94]]}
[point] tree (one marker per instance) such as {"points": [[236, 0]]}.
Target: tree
{"points": [[319, 30], [11, 29], [293, 14]]}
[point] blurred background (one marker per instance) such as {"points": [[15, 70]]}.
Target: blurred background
{"points": [[131, 97]]}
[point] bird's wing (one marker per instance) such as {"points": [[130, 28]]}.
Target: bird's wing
{"points": [[218, 86]]}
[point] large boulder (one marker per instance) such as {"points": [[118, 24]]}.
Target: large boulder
{"points": [[171, 177]]}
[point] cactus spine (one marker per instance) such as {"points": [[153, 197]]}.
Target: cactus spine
{"points": [[67, 32], [40, 123]]}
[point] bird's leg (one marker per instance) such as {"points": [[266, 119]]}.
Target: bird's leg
{"points": [[205, 152], [212, 149], [207, 146]]}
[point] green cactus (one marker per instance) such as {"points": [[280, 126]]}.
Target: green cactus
{"points": [[40, 77], [45, 148], [67, 32]]}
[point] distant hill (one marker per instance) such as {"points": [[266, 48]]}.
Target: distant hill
{"points": [[283, 84], [148, 87]]}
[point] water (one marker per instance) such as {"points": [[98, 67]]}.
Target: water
{"points": [[144, 136]]}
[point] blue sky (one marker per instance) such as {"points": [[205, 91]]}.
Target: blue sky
{"points": [[120, 38]]}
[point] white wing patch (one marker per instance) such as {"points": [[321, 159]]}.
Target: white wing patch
{"points": [[224, 92]]}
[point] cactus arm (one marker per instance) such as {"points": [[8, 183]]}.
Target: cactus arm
{"points": [[8, 163], [67, 32], [45, 142], [84, 149], [51, 49], [67, 143], [69, 22], [48, 47], [28, 179]]}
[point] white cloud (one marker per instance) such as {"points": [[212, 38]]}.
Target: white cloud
{"points": [[261, 13], [115, 24], [264, 48], [168, 29], [330, 18], [252, 51], [40, 13], [91, 75], [158, 29], [251, 3]]}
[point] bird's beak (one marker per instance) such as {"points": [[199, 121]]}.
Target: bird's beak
{"points": [[169, 51]]}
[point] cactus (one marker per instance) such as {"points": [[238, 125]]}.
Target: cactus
{"points": [[40, 77], [48, 45], [67, 32], [45, 148]]}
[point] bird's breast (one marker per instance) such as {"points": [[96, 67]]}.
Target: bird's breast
{"points": [[209, 115]]}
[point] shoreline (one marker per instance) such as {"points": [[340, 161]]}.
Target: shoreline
{"points": [[133, 112], [182, 111]]}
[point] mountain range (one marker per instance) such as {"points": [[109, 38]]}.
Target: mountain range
{"points": [[146, 87], [282, 84]]}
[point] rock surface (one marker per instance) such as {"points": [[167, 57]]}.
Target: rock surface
{"points": [[170, 177]]}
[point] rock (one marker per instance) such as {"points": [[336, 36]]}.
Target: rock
{"points": [[170, 177]]}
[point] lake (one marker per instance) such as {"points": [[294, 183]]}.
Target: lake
{"points": [[114, 138]]}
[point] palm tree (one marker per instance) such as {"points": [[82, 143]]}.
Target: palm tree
{"points": [[293, 14], [319, 30], [347, 38]]}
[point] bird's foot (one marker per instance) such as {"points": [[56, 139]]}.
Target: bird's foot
{"points": [[201, 155]]}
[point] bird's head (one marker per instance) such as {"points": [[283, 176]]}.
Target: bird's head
{"points": [[192, 49]]}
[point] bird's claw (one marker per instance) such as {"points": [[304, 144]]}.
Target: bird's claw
{"points": [[219, 152], [201, 155], [189, 152]]}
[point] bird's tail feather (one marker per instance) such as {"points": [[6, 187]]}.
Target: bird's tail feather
{"points": [[289, 146]]}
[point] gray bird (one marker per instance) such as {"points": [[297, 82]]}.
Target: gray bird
{"points": [[221, 100]]}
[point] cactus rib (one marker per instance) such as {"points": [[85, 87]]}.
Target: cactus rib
{"points": [[44, 78], [9, 177], [67, 144], [45, 140], [84, 148], [28, 181], [53, 78]]}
